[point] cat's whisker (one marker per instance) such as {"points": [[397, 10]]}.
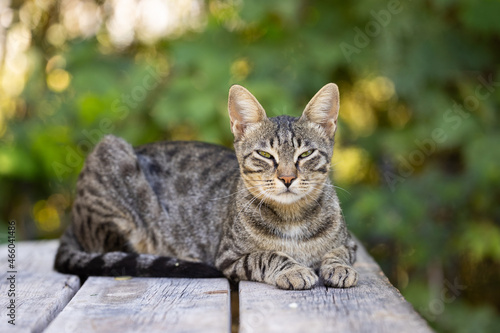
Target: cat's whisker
{"points": [[324, 192], [260, 180], [266, 195], [309, 195], [343, 189], [248, 204], [329, 185]]}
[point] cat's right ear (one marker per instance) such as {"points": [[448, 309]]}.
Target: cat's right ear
{"points": [[244, 110]]}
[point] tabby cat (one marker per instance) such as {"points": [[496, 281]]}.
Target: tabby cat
{"points": [[266, 212]]}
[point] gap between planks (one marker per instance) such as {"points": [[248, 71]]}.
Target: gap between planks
{"points": [[373, 306]]}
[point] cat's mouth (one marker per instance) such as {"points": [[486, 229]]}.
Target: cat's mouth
{"points": [[287, 196], [287, 191]]}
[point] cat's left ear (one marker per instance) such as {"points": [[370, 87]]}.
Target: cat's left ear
{"points": [[244, 110], [323, 109]]}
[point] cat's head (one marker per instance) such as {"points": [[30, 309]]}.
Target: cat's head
{"points": [[284, 159]]}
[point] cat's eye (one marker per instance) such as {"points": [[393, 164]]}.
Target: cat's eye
{"points": [[264, 154], [307, 153]]}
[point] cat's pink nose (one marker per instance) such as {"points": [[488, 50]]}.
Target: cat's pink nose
{"points": [[287, 180]]}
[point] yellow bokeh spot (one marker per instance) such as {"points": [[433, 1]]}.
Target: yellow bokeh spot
{"points": [[380, 89], [38, 206], [56, 35], [7, 107], [350, 165], [227, 12], [359, 115], [58, 80], [6, 163], [240, 69], [104, 40], [46, 216]]}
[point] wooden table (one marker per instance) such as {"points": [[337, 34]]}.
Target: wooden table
{"points": [[46, 301]]}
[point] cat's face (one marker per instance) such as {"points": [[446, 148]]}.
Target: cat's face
{"points": [[284, 159]]}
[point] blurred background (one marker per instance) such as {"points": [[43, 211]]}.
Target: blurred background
{"points": [[417, 150]]}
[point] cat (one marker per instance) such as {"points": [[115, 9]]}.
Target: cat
{"points": [[266, 212]]}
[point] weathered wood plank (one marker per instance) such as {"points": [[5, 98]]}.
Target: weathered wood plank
{"points": [[105, 304], [374, 305], [40, 292], [32, 256]]}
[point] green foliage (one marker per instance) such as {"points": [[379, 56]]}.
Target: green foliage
{"points": [[417, 140]]}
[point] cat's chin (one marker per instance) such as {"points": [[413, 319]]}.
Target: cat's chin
{"points": [[287, 198]]}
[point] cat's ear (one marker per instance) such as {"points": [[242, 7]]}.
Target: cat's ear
{"points": [[323, 109], [244, 110]]}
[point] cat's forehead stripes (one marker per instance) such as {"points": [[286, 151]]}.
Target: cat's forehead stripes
{"points": [[285, 133], [297, 142]]}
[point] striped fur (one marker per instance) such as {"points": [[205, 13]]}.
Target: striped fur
{"points": [[266, 212]]}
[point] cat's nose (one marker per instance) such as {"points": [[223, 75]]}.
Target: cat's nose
{"points": [[287, 180]]}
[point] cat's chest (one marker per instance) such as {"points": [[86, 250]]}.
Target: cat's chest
{"points": [[307, 251]]}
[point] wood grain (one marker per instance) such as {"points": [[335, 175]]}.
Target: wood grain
{"points": [[374, 305], [105, 304], [194, 305], [40, 292]]}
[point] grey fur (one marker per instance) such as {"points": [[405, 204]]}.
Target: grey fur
{"points": [[194, 209]]}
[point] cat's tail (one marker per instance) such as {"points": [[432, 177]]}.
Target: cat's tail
{"points": [[72, 259]]}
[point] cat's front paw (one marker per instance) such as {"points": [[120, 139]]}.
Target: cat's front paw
{"points": [[296, 277], [339, 276]]}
